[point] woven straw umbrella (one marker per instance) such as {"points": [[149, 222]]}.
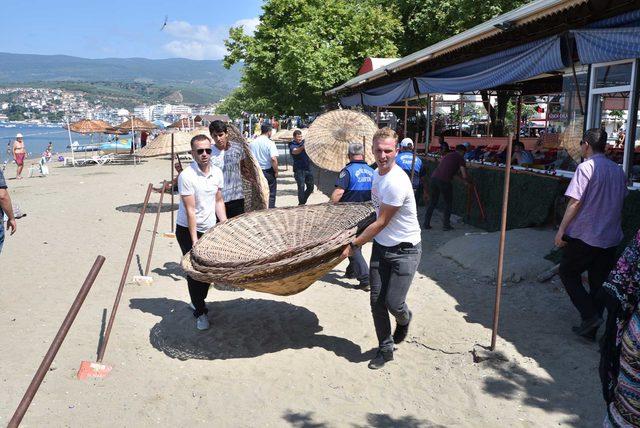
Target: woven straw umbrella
{"points": [[161, 145], [328, 138], [86, 126], [136, 124]]}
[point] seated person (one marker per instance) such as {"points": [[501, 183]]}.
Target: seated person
{"points": [[520, 155]]}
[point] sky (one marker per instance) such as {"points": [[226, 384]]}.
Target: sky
{"points": [[123, 29]]}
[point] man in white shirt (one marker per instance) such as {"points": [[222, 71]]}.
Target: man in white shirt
{"points": [[396, 246], [200, 186], [266, 153]]}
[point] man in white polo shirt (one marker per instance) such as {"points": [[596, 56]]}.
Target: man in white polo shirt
{"points": [[266, 153], [396, 246], [200, 187]]}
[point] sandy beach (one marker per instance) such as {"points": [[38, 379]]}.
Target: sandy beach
{"points": [[298, 361]]}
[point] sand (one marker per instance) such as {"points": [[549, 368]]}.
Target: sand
{"points": [[296, 361]]}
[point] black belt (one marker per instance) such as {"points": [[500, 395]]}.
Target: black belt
{"points": [[400, 246]]}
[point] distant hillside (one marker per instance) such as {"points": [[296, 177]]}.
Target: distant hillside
{"points": [[197, 81]]}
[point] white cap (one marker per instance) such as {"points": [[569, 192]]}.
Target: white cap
{"points": [[406, 142], [19, 135]]}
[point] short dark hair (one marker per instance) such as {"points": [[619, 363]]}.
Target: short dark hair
{"points": [[199, 137], [265, 127], [596, 138], [461, 148], [217, 126], [297, 132]]}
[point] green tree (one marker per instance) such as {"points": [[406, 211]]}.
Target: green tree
{"points": [[302, 47]]}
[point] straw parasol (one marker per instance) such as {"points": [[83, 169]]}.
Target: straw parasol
{"points": [[286, 135], [136, 124], [161, 145], [328, 138], [86, 126]]}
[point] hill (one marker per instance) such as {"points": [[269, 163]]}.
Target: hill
{"points": [[154, 79]]}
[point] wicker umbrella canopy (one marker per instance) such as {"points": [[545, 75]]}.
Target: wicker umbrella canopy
{"points": [[86, 126], [328, 138], [136, 124], [286, 135], [161, 145]]}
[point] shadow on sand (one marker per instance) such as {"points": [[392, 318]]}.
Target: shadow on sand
{"points": [[241, 328], [152, 208]]}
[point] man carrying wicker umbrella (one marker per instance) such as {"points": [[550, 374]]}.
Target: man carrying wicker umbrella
{"points": [[201, 204], [396, 246], [228, 155]]}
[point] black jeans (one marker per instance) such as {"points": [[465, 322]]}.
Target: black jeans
{"points": [[391, 272], [446, 188], [304, 178], [234, 208], [577, 257], [197, 290], [358, 265], [270, 175]]}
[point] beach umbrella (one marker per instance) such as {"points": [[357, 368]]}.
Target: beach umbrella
{"points": [[161, 145], [136, 124], [286, 135], [181, 123], [328, 138], [86, 126]]}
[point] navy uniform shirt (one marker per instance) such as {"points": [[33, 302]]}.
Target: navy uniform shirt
{"points": [[355, 179], [404, 160], [301, 160]]}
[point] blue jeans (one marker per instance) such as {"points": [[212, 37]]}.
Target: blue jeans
{"points": [[304, 178], [391, 272], [1, 231]]}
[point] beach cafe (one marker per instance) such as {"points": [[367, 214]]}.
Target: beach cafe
{"points": [[540, 75]]}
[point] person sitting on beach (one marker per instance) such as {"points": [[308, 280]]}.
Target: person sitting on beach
{"points": [[201, 206], [19, 154], [228, 156], [396, 246]]}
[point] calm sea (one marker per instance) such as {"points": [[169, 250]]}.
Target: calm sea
{"points": [[37, 138]]}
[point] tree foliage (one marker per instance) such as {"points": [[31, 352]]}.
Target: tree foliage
{"points": [[303, 47]]}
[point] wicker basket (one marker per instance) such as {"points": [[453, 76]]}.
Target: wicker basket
{"points": [[280, 251]]}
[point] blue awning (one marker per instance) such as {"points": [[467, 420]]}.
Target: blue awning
{"points": [[389, 94], [511, 65], [629, 19], [607, 44], [351, 100]]}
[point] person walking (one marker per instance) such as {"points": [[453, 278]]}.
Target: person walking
{"points": [[19, 154], [266, 153], [201, 205], [301, 167], [354, 185], [441, 183], [591, 229], [5, 208], [396, 246], [228, 156], [405, 160]]}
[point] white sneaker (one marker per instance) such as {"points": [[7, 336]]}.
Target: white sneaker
{"points": [[202, 322]]}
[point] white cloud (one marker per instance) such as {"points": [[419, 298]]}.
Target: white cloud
{"points": [[201, 41]]}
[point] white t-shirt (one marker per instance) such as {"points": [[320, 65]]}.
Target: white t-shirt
{"points": [[192, 181], [217, 157], [263, 150], [229, 162], [394, 188]]}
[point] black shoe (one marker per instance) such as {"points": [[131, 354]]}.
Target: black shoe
{"points": [[364, 286], [426, 226], [447, 228], [350, 272], [401, 331], [589, 335], [588, 326], [381, 358]]}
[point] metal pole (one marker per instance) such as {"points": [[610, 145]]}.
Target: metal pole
{"points": [[461, 107], [377, 115], [503, 233], [406, 111], [172, 179], [55, 345], [155, 229], [123, 279]]}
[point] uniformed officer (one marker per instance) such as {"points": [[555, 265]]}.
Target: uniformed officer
{"points": [[354, 185], [404, 160]]}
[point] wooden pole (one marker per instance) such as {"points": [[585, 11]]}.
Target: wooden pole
{"points": [[406, 111], [155, 228], [377, 115], [503, 232], [461, 107], [172, 179], [433, 120]]}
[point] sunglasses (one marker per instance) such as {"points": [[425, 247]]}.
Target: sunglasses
{"points": [[201, 151]]}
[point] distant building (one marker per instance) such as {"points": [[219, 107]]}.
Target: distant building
{"points": [[143, 112]]}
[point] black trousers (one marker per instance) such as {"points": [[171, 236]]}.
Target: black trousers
{"points": [[304, 180], [358, 265], [446, 188], [197, 290], [270, 175], [578, 257], [234, 208]]}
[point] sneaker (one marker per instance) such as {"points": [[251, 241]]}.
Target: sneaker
{"points": [[364, 286], [202, 322], [447, 228], [381, 358], [401, 331]]}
